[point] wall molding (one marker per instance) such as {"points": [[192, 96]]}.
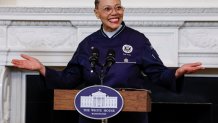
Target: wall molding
{"points": [[42, 13], [134, 11]]}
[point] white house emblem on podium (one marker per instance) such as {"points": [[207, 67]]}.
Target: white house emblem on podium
{"points": [[98, 102]]}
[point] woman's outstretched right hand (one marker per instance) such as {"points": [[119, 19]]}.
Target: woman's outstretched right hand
{"points": [[29, 63]]}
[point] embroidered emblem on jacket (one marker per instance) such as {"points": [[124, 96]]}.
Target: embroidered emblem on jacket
{"points": [[127, 48]]}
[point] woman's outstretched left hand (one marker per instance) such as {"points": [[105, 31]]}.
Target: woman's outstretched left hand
{"points": [[189, 68]]}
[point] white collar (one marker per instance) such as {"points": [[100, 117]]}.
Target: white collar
{"points": [[110, 34]]}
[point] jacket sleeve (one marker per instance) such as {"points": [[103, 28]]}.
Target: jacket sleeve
{"points": [[157, 72], [69, 78]]}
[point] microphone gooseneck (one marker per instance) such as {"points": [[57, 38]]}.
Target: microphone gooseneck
{"points": [[104, 68]]}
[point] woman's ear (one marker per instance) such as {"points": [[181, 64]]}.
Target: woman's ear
{"points": [[96, 13]]}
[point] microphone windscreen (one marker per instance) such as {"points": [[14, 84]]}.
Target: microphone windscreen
{"points": [[110, 58], [95, 52], [111, 53]]}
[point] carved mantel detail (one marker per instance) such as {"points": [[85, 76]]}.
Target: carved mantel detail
{"points": [[34, 30], [199, 39], [132, 11]]}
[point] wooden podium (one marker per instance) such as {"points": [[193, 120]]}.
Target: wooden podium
{"points": [[134, 100]]}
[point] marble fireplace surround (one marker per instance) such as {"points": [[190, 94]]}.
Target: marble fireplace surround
{"points": [[180, 35]]}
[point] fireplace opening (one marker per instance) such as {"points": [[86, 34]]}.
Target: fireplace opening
{"points": [[39, 104], [197, 103]]}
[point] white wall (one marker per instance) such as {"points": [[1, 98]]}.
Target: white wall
{"points": [[7, 2], [126, 3]]}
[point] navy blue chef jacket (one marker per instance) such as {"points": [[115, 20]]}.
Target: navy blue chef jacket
{"points": [[134, 56]]}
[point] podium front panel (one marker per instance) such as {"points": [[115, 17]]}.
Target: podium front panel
{"points": [[134, 100]]}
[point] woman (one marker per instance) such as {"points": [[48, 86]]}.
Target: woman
{"points": [[134, 55]]}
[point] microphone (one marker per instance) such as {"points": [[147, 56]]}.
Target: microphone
{"points": [[110, 59], [93, 59]]}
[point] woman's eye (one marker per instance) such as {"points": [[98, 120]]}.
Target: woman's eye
{"points": [[107, 9]]}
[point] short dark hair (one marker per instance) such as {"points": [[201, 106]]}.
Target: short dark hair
{"points": [[96, 3]]}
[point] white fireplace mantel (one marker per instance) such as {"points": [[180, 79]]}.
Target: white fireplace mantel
{"points": [[52, 34], [180, 35]]}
